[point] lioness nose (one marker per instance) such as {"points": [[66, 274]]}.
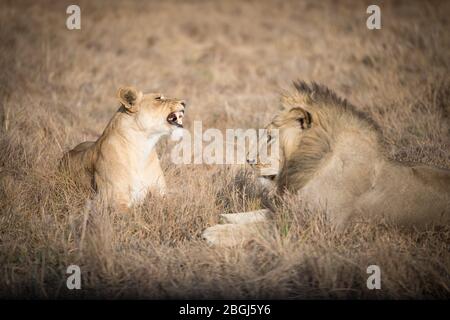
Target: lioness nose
{"points": [[251, 161]]}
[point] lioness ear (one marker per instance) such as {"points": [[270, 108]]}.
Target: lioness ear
{"points": [[305, 120], [130, 98]]}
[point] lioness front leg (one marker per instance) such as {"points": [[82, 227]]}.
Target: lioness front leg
{"points": [[158, 185], [113, 196]]}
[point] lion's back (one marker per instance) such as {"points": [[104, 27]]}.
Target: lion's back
{"points": [[416, 195], [438, 178], [78, 163]]}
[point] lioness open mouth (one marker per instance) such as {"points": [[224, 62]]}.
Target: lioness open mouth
{"points": [[176, 119]]}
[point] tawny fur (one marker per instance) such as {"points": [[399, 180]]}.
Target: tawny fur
{"points": [[122, 165], [338, 162], [332, 157]]}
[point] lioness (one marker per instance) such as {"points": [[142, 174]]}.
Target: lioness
{"points": [[122, 165], [332, 157]]}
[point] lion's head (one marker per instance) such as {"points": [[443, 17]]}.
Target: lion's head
{"points": [[311, 120], [152, 113], [281, 140]]}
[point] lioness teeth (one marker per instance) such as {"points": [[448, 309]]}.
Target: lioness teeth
{"points": [[175, 118]]}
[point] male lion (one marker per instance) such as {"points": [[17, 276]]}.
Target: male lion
{"points": [[332, 157], [122, 165]]}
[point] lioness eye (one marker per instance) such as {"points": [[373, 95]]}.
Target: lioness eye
{"points": [[159, 97], [269, 137]]}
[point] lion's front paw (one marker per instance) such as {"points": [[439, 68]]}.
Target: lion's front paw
{"points": [[231, 235], [227, 235], [246, 217]]}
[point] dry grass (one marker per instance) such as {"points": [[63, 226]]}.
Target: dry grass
{"points": [[229, 60]]}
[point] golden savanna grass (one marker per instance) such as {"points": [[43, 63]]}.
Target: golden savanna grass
{"points": [[230, 60]]}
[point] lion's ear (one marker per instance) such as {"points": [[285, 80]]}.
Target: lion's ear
{"points": [[130, 98], [304, 119]]}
